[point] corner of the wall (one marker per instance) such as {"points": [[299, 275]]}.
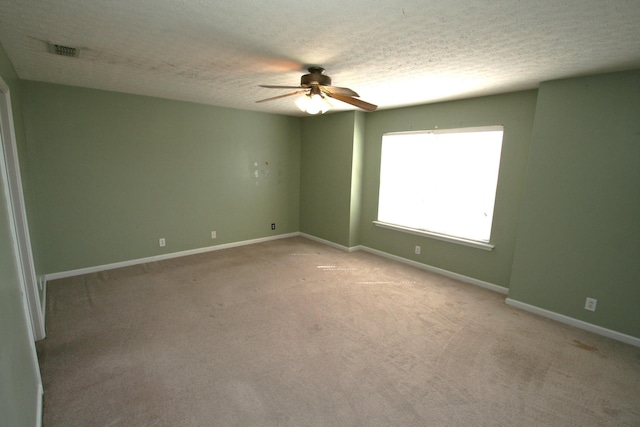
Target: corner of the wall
{"points": [[329, 243]]}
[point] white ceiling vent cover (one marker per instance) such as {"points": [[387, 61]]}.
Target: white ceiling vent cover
{"points": [[58, 49]]}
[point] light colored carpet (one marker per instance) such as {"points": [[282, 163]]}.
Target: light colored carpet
{"points": [[295, 333]]}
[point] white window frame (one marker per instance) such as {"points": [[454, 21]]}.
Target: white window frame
{"points": [[480, 244]]}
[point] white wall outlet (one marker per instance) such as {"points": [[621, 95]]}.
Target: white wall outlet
{"points": [[162, 242], [418, 250], [590, 304], [213, 234]]}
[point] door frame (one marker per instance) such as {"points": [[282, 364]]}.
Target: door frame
{"points": [[17, 211]]}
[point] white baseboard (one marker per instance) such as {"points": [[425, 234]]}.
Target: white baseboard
{"points": [[628, 339], [466, 279], [443, 272], [329, 243], [42, 283], [98, 268], [39, 407], [447, 273]]}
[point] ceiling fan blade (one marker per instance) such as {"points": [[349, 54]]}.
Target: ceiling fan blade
{"points": [[280, 87], [298, 92], [353, 101], [341, 90]]}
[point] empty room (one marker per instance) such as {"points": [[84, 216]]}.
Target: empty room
{"points": [[319, 214]]}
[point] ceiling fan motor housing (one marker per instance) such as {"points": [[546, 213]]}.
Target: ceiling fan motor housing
{"points": [[315, 77]]}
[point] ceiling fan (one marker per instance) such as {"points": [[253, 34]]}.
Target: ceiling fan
{"points": [[316, 87]]}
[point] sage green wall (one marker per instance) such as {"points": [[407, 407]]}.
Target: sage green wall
{"points": [[357, 165], [515, 111], [326, 176], [579, 233], [19, 379], [112, 173]]}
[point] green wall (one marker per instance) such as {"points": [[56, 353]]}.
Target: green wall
{"points": [[357, 184], [112, 173], [579, 233], [515, 112], [19, 379], [329, 150]]}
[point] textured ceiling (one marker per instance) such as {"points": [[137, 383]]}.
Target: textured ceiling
{"points": [[392, 52]]}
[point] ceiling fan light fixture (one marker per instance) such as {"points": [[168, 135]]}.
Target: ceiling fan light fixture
{"points": [[313, 104]]}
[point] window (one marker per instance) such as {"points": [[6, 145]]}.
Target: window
{"points": [[441, 182]]}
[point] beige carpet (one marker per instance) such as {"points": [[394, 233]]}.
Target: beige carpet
{"points": [[295, 333]]}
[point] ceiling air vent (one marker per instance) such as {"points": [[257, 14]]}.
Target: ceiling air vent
{"points": [[58, 49]]}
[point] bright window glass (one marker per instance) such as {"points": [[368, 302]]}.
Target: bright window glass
{"points": [[441, 181]]}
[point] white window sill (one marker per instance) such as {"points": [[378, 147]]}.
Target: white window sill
{"points": [[472, 243]]}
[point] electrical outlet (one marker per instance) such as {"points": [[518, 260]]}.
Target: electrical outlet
{"points": [[418, 250], [590, 304], [213, 234], [273, 226], [162, 242]]}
